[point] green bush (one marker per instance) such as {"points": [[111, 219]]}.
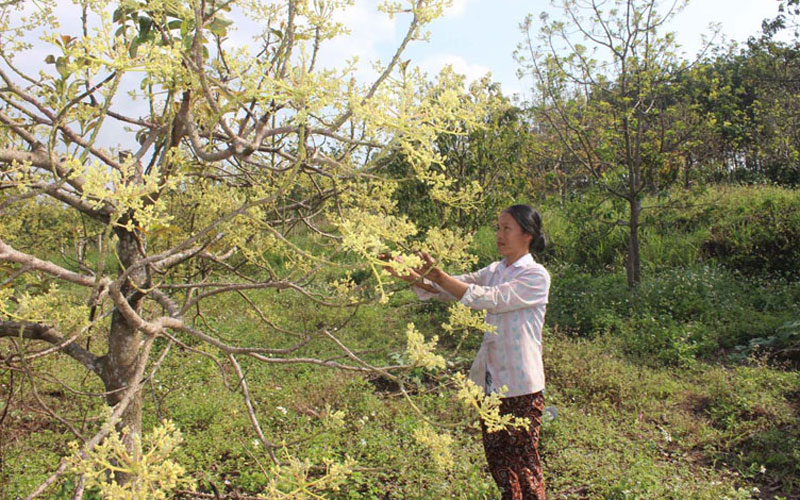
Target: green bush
{"points": [[584, 232], [752, 229], [677, 314], [756, 230]]}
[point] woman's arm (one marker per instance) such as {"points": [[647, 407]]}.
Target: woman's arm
{"points": [[426, 287], [530, 288], [452, 285]]}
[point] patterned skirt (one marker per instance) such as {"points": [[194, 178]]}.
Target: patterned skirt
{"points": [[514, 456]]}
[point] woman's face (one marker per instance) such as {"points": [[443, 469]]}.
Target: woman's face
{"points": [[511, 240]]}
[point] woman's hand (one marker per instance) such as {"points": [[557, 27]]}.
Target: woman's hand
{"points": [[428, 268], [444, 281], [410, 277], [413, 277]]}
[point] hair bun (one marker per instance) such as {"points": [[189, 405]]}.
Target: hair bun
{"points": [[539, 244]]}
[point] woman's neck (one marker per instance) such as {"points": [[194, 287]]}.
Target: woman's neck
{"points": [[510, 259]]}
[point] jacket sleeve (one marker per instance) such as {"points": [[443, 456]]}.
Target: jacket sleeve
{"points": [[474, 278], [529, 289]]}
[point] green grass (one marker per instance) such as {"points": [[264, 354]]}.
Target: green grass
{"points": [[625, 429], [677, 390]]}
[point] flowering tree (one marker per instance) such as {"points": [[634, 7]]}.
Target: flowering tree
{"points": [[189, 186], [602, 77]]}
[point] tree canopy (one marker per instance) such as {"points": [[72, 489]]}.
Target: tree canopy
{"points": [[180, 166]]}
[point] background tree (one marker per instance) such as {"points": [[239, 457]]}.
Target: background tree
{"points": [[600, 74], [485, 160], [788, 14], [193, 187]]}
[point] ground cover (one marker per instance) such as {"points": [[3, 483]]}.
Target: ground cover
{"points": [[685, 388]]}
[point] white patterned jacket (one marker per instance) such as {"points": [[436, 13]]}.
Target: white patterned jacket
{"points": [[515, 299]]}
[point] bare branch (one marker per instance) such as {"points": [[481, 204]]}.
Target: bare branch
{"points": [[38, 331], [250, 411], [39, 400], [9, 254]]}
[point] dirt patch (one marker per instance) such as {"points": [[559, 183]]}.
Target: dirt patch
{"points": [[696, 404], [383, 384]]}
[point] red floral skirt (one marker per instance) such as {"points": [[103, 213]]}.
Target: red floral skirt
{"points": [[514, 456]]}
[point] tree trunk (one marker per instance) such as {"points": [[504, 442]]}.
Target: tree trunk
{"points": [[124, 343], [687, 165], [634, 260]]}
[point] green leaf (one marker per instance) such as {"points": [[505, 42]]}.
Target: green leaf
{"points": [[134, 48], [145, 24], [219, 26], [61, 66]]}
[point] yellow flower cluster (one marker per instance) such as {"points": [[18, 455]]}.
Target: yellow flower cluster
{"points": [[152, 474], [128, 190], [438, 445], [488, 407], [297, 481], [463, 319], [421, 352]]}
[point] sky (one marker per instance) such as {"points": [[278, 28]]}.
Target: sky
{"points": [[474, 36], [479, 36]]}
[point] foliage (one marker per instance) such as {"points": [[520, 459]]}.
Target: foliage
{"points": [[603, 90], [489, 154], [756, 231], [676, 315], [749, 95], [152, 473]]}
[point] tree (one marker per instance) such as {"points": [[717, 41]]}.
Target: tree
{"points": [[788, 14], [224, 153], [485, 160], [600, 75], [750, 94]]}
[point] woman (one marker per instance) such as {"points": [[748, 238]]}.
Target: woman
{"points": [[514, 293]]}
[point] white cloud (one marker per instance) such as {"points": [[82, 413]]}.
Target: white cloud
{"points": [[457, 8], [435, 63], [369, 31]]}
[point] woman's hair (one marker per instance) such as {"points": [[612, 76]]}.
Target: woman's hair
{"points": [[531, 223]]}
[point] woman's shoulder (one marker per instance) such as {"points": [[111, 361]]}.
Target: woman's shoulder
{"points": [[534, 269]]}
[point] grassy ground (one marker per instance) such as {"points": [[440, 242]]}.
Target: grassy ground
{"points": [[624, 429], [685, 388]]}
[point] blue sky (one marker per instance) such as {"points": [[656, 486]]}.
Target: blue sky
{"points": [[477, 36]]}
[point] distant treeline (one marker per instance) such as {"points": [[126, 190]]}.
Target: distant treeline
{"points": [[730, 117]]}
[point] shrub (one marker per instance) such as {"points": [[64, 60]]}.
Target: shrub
{"points": [[756, 231], [677, 314]]}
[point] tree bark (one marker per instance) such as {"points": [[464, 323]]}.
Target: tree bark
{"points": [[634, 260], [118, 366]]}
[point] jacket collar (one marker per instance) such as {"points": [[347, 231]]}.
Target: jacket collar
{"points": [[523, 261]]}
